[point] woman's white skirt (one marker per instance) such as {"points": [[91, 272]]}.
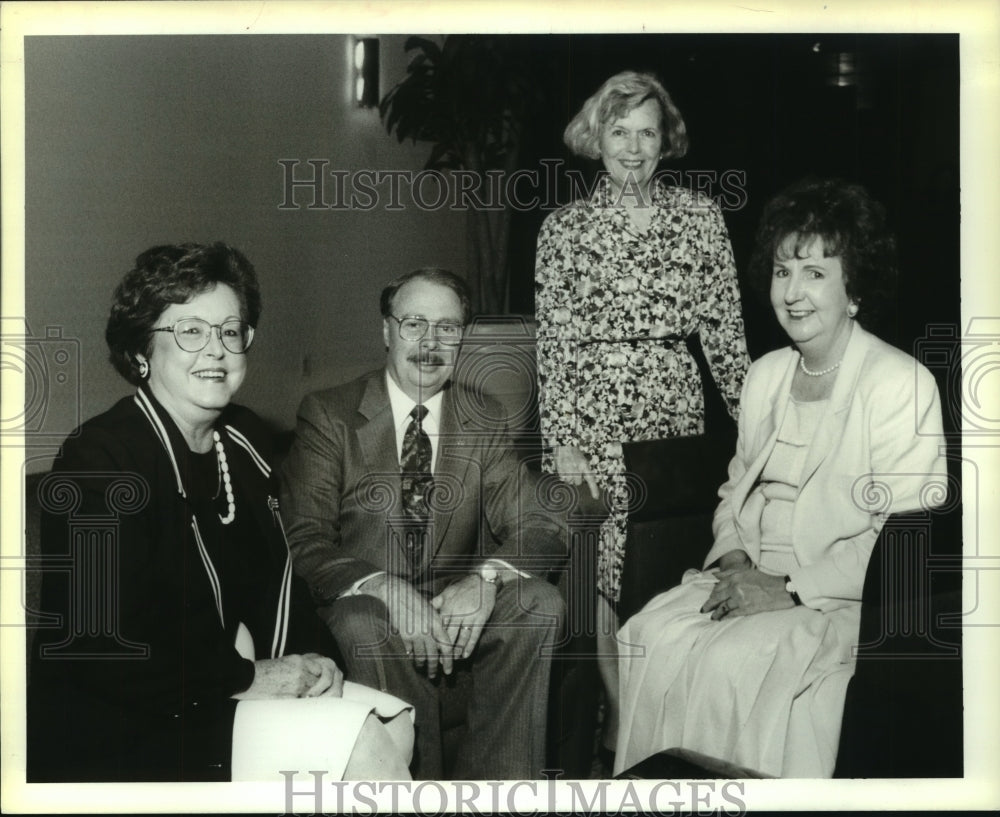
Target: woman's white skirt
{"points": [[764, 691]]}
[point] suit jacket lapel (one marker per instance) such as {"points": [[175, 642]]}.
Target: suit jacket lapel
{"points": [[771, 422], [451, 468], [377, 439], [765, 438], [377, 436], [831, 424]]}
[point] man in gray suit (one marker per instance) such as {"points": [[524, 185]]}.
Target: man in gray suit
{"points": [[423, 541]]}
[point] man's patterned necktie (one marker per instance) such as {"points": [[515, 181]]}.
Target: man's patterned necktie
{"points": [[417, 481]]}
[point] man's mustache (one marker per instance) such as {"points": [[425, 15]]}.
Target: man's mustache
{"points": [[431, 359]]}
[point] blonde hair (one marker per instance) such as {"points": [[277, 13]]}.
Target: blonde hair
{"points": [[614, 99]]}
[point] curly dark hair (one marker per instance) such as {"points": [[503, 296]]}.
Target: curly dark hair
{"points": [[172, 274], [853, 228]]}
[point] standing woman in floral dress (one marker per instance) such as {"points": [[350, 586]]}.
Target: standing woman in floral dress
{"points": [[622, 279]]}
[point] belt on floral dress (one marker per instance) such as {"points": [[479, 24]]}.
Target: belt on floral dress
{"points": [[615, 357]]}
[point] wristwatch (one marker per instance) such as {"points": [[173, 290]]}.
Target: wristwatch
{"points": [[790, 589], [490, 575]]}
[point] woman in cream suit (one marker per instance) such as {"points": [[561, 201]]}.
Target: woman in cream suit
{"points": [[749, 660]]}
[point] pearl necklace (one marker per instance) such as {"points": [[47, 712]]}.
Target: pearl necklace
{"points": [[220, 454], [802, 365]]}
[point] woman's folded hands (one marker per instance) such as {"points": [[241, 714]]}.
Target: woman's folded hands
{"points": [[309, 675], [742, 589]]}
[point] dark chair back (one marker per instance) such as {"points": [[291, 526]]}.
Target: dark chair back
{"points": [[676, 484], [903, 712]]}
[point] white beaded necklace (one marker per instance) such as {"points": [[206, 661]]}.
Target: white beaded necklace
{"points": [[220, 455], [802, 365]]}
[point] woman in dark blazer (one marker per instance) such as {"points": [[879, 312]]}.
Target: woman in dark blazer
{"points": [[180, 624]]}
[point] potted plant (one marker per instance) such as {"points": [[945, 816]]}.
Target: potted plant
{"points": [[469, 97]]}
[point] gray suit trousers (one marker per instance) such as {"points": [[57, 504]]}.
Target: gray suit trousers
{"points": [[510, 669]]}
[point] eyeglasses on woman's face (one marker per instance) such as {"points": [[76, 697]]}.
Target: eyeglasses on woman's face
{"points": [[413, 328], [194, 334]]}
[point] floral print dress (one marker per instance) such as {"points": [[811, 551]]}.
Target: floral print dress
{"points": [[614, 306]]}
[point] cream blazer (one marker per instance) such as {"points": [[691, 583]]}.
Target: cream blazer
{"points": [[879, 449]]}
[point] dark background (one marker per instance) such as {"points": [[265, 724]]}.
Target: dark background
{"points": [[880, 110]]}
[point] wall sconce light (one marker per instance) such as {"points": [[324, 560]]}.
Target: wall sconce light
{"points": [[842, 69], [366, 71]]}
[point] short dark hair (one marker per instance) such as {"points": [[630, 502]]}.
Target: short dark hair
{"points": [[618, 96], [853, 228], [434, 275], [172, 274]]}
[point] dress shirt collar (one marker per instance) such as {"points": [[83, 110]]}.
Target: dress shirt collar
{"points": [[402, 404]]}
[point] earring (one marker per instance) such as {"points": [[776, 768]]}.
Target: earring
{"points": [[852, 310], [143, 369]]}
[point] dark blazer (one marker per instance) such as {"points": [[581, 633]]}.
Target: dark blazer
{"points": [[133, 680], [341, 492]]}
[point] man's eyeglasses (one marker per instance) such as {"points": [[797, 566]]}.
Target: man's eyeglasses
{"points": [[413, 328], [193, 334]]}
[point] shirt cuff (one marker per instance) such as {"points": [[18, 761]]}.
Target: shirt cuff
{"points": [[506, 566], [355, 589]]}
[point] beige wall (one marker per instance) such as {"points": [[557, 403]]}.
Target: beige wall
{"points": [[134, 141]]}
